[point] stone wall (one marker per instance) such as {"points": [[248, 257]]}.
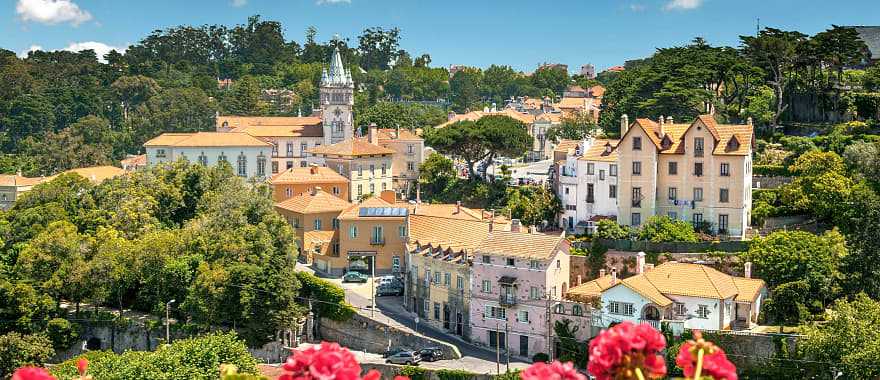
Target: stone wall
{"points": [[388, 371], [745, 349], [363, 334]]}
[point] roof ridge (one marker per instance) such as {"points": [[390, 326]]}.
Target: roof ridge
{"points": [[711, 281]]}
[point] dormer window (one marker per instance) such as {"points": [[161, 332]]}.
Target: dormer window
{"points": [[732, 144]]}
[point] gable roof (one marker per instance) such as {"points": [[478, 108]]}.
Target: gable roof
{"points": [[566, 145], [282, 130], [353, 212], [391, 134], [749, 288], [206, 139], [722, 133], [312, 203], [134, 160], [447, 233], [351, 147], [313, 174], [98, 174], [17, 180], [319, 238], [521, 244], [597, 152]]}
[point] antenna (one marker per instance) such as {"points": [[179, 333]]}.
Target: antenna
{"points": [[757, 26]]}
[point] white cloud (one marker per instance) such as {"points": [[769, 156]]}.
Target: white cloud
{"points": [[683, 4], [100, 48], [24, 53], [51, 12], [322, 2], [636, 7], [239, 3]]}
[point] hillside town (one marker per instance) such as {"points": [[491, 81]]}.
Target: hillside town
{"points": [[242, 210]]}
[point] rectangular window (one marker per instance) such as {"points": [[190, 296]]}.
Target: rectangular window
{"points": [[533, 293], [410, 149], [372, 188], [510, 261], [698, 169], [724, 195], [274, 150], [679, 309], [522, 316], [401, 230], [303, 148], [637, 197], [353, 232], [673, 193], [395, 263], [637, 143], [698, 194], [621, 308], [703, 311], [274, 166], [160, 153], [339, 169], [697, 219], [487, 286], [288, 164], [725, 169], [378, 236], [335, 190], [495, 312], [447, 279], [372, 169], [673, 168], [601, 174], [360, 190], [303, 163], [459, 283], [612, 191], [437, 278], [317, 224], [698, 147], [383, 169], [436, 310], [591, 197], [411, 166], [636, 219], [612, 170], [723, 223], [487, 259], [591, 168], [360, 170], [290, 149], [242, 166], [637, 168], [534, 264], [335, 223], [427, 307]]}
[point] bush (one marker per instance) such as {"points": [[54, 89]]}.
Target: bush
{"points": [[609, 229], [333, 303], [661, 228], [771, 170], [540, 357], [197, 358], [17, 350], [414, 373], [62, 333], [512, 375], [454, 374]]}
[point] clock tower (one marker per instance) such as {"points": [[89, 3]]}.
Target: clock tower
{"points": [[337, 101]]}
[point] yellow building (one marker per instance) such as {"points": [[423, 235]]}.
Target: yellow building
{"points": [[699, 172], [371, 231], [314, 212], [408, 156], [367, 165], [298, 180]]}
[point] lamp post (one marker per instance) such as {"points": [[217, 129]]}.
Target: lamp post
{"points": [[168, 321], [373, 289]]}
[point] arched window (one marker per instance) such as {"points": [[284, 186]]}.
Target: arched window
{"points": [[577, 310], [559, 309]]}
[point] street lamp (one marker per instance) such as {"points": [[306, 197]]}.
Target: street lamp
{"points": [[168, 321]]}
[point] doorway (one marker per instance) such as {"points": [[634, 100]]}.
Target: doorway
{"points": [[523, 346]]}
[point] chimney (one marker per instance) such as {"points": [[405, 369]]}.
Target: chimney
{"points": [[624, 124], [457, 207], [418, 193], [492, 220], [613, 276], [747, 269], [514, 225], [669, 120], [579, 280], [662, 121], [397, 133], [532, 229], [749, 121], [660, 127], [607, 148], [494, 108], [313, 169], [374, 134], [315, 190], [602, 273], [640, 263]]}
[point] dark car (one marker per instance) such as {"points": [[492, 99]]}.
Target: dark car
{"points": [[405, 357], [431, 354], [389, 290], [354, 277]]}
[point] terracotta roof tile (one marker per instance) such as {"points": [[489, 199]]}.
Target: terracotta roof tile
{"points": [[206, 139], [351, 147], [646, 288], [573, 103], [448, 233], [723, 133], [243, 121], [139, 160], [749, 288], [597, 151], [566, 145], [315, 238], [353, 212], [308, 203], [591, 289], [313, 174], [17, 180], [390, 134], [98, 174], [477, 115], [521, 244], [282, 130]]}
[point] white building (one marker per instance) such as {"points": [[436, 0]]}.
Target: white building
{"points": [[690, 296], [248, 155], [588, 71], [587, 185]]}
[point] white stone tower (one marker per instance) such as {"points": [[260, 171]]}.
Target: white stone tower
{"points": [[337, 101]]}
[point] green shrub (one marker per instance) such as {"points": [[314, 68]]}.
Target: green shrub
{"points": [[540, 357], [661, 228], [771, 170], [17, 350], [333, 303], [62, 333], [609, 229], [414, 373], [454, 374], [512, 375]]}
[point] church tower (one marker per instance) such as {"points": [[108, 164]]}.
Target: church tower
{"points": [[337, 101]]}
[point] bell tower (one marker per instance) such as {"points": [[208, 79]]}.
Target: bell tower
{"points": [[337, 101]]}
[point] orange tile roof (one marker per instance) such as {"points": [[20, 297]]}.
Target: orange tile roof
{"points": [[351, 147], [390, 134], [521, 244], [566, 146], [139, 160], [244, 121], [313, 174], [477, 115], [749, 288], [315, 238], [17, 180], [597, 152], [353, 212], [206, 139], [573, 103], [308, 203], [98, 174], [597, 91], [447, 233], [550, 116], [591, 289], [447, 210], [282, 130], [646, 288], [723, 133]]}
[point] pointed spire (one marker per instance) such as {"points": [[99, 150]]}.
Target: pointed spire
{"points": [[336, 74]]}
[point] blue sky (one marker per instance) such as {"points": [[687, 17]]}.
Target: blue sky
{"points": [[522, 34]]}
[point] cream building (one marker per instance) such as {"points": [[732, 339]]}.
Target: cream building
{"points": [[409, 153], [314, 218], [12, 186], [367, 165], [587, 185], [699, 172], [291, 137], [248, 155]]}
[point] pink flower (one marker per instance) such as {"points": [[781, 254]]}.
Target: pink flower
{"points": [[553, 371], [328, 361], [626, 348], [715, 363], [82, 365], [32, 373]]}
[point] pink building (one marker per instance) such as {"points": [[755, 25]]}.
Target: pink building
{"points": [[516, 278]]}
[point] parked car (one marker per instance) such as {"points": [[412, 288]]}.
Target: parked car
{"points": [[405, 357], [386, 280], [389, 289], [392, 351], [431, 354], [354, 277]]}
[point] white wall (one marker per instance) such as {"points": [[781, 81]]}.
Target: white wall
{"points": [[621, 293], [213, 153]]}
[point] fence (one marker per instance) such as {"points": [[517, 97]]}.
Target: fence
{"points": [[671, 247]]}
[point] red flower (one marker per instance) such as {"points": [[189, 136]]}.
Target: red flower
{"points": [[553, 371], [714, 363], [328, 361], [620, 351], [32, 373], [82, 365]]}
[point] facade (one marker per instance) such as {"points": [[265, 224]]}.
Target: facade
{"points": [[297, 180], [367, 165], [12, 186], [337, 100], [248, 155], [690, 296], [291, 137], [409, 153], [315, 211], [699, 172], [372, 232], [588, 71], [516, 277], [133, 162], [588, 185]]}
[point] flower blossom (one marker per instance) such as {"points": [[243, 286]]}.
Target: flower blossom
{"points": [[713, 363], [553, 371], [32, 373], [627, 351], [328, 361]]}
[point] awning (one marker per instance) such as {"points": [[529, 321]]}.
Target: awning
{"points": [[507, 280]]}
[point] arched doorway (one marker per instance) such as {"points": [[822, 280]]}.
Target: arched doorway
{"points": [[650, 313]]}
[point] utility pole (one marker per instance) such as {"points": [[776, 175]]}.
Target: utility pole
{"points": [[549, 328], [373, 289], [506, 337], [497, 348]]}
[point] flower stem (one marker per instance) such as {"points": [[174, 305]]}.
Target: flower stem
{"points": [[699, 371], [639, 374]]}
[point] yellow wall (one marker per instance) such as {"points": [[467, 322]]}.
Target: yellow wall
{"points": [[394, 243], [279, 191]]}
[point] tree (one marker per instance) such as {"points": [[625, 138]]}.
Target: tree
{"points": [[576, 126], [775, 51], [533, 205], [378, 47], [863, 159], [481, 141], [661, 228], [788, 304], [570, 350], [840, 47], [849, 338], [17, 350], [25, 309], [551, 80], [464, 87], [56, 258], [88, 142], [609, 229], [245, 98], [133, 91], [423, 60], [395, 114], [436, 175]]}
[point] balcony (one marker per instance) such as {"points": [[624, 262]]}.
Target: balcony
{"points": [[377, 241], [507, 299]]}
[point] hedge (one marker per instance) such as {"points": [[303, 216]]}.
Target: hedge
{"points": [[329, 298], [771, 170], [454, 374]]}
